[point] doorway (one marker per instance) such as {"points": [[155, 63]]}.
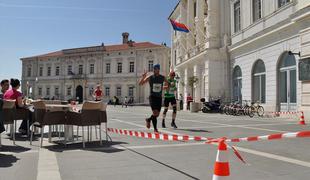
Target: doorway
{"points": [[287, 83], [79, 93]]}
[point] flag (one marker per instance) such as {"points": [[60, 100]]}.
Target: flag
{"points": [[179, 26]]}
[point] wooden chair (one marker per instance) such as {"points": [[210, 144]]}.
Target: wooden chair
{"points": [[8, 110], [90, 115], [46, 118]]}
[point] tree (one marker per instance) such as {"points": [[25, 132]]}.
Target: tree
{"points": [[191, 82]]}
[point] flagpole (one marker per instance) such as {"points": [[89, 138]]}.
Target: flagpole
{"points": [[205, 36]]}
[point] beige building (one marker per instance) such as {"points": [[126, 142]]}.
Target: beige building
{"points": [[203, 52], [75, 73]]}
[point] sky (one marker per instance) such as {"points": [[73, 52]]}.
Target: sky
{"points": [[34, 27]]}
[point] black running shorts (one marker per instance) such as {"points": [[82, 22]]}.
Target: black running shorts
{"points": [[155, 102], [171, 100]]}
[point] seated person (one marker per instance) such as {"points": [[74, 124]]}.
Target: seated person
{"points": [[4, 87], [21, 109]]}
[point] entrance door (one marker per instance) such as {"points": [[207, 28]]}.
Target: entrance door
{"points": [[288, 90], [79, 94], [287, 84], [237, 85]]}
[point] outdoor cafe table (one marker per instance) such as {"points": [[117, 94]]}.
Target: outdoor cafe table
{"points": [[62, 107]]}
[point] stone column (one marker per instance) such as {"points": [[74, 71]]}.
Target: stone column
{"points": [[183, 19], [190, 23], [200, 36], [213, 24], [207, 88]]}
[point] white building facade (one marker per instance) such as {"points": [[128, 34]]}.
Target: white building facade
{"points": [[75, 73], [245, 50], [203, 52], [266, 37]]}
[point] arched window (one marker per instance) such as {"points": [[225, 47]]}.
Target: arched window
{"points": [[237, 84], [287, 82], [259, 82]]}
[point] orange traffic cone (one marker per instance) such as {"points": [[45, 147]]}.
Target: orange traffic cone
{"points": [[302, 119], [221, 166]]}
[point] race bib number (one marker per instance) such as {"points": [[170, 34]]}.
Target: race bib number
{"points": [[157, 88]]}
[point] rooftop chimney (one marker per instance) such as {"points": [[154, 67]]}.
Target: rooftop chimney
{"points": [[125, 37]]}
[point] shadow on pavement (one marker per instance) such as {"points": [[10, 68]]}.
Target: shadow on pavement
{"points": [[107, 146], [194, 130], [7, 160], [20, 138], [14, 149], [162, 163]]}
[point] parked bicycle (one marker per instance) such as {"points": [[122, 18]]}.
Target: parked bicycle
{"points": [[257, 108]]}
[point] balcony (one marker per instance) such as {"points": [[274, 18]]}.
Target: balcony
{"points": [[78, 76], [191, 53]]}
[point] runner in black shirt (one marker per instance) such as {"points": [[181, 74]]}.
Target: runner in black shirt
{"points": [[156, 82]]}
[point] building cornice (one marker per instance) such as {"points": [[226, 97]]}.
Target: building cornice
{"points": [[301, 14]]}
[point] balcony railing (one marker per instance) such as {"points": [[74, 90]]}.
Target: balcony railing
{"points": [[191, 53], [78, 76]]}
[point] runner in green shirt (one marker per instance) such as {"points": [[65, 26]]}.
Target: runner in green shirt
{"points": [[170, 99]]}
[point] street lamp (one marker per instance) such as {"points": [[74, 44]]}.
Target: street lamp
{"points": [[291, 53]]}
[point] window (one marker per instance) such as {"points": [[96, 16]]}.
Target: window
{"points": [[259, 82], [257, 10], [57, 71], [91, 91], [70, 70], [237, 17], [80, 69], [282, 2], [49, 71], [92, 69], [47, 91], [175, 57], [131, 67], [119, 67], [107, 91], [119, 91], [151, 65], [41, 71], [56, 91], [107, 68], [195, 9], [40, 91], [29, 71], [69, 91], [130, 91], [237, 84]]}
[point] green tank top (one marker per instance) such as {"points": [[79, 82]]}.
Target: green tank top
{"points": [[169, 93]]}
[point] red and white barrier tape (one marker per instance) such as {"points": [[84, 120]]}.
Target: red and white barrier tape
{"points": [[296, 112], [301, 134], [160, 136]]}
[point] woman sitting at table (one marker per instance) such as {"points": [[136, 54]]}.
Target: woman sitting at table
{"points": [[21, 109]]}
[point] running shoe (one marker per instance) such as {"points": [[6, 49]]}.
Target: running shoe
{"points": [[156, 131], [174, 125], [163, 125], [148, 123]]}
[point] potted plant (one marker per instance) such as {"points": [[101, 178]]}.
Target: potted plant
{"points": [[194, 106]]}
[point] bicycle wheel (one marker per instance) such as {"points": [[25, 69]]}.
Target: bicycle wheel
{"points": [[246, 110], [225, 110], [251, 111], [260, 111]]}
